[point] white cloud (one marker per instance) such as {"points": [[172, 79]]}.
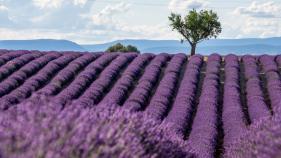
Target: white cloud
{"points": [[259, 20], [263, 28], [180, 6], [4, 17], [47, 3], [71, 21], [119, 8], [86, 21], [252, 28], [3, 8], [58, 16], [106, 18], [80, 2], [107, 26], [263, 10], [160, 31], [55, 4]]}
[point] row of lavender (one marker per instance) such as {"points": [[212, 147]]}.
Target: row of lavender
{"points": [[62, 79], [21, 66], [153, 84], [234, 123], [204, 128]]}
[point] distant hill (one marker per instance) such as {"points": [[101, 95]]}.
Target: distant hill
{"points": [[41, 44], [222, 46]]}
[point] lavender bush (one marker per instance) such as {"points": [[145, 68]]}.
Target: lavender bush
{"points": [[37, 128], [119, 92], [84, 79], [26, 71], [14, 64], [232, 115], [204, 128], [9, 55], [261, 140], [162, 98], [97, 89], [273, 80], [141, 94], [181, 111], [69, 104], [67, 74], [36, 81], [255, 101]]}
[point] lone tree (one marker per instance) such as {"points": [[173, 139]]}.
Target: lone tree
{"points": [[196, 26], [121, 48]]}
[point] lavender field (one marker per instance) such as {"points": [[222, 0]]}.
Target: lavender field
{"points": [[69, 104]]}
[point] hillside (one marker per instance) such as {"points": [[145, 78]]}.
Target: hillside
{"points": [[207, 104], [223, 46], [255, 46], [41, 44]]}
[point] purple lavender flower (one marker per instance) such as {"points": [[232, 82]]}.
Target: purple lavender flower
{"points": [[37, 128], [261, 140]]}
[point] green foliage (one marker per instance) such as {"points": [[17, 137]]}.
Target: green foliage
{"points": [[196, 26], [131, 48], [121, 48]]}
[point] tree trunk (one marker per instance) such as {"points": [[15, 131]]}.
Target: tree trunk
{"points": [[193, 48]]}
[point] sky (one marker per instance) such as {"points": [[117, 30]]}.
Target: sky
{"points": [[98, 21]]}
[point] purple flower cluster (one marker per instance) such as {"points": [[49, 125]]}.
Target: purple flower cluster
{"points": [[149, 105], [25, 72], [37, 128], [97, 89], [35, 82], [9, 55], [232, 116], [139, 97], [16, 63], [263, 139], [256, 104], [183, 106], [203, 135], [122, 86], [273, 80], [163, 96], [278, 60], [3, 51], [84, 79], [67, 74]]}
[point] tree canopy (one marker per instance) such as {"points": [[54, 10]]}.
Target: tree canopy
{"points": [[196, 26], [121, 48]]}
